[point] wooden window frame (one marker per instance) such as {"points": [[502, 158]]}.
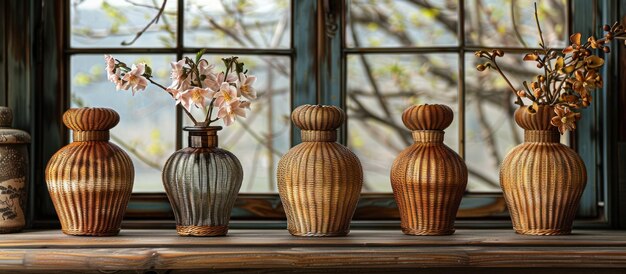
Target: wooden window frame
{"points": [[41, 99]]}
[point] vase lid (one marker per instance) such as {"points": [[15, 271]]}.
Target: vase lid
{"points": [[427, 117], [539, 120], [318, 117], [90, 119], [10, 135]]}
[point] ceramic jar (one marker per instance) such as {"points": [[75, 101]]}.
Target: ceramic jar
{"points": [[202, 182], [90, 180], [319, 180], [13, 174], [428, 178], [542, 179]]}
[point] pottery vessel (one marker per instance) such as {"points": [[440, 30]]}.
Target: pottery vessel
{"points": [[91, 179], [319, 180], [542, 179], [13, 174], [428, 178], [202, 182]]}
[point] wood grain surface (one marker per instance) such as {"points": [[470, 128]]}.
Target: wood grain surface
{"points": [[276, 249]]}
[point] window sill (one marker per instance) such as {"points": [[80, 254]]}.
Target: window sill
{"points": [[366, 249]]}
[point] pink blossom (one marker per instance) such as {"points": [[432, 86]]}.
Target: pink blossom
{"points": [[244, 86], [110, 64], [195, 96], [134, 78], [228, 112], [181, 80], [174, 92], [205, 68], [227, 94], [113, 74]]}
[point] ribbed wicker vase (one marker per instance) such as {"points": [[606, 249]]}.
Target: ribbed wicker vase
{"points": [[202, 182], [319, 180], [91, 179], [542, 179], [428, 178]]}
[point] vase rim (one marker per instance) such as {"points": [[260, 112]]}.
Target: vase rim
{"points": [[202, 128]]}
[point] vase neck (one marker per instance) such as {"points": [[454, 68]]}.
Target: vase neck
{"points": [[202, 137], [319, 135], [428, 136], [91, 136], [542, 136]]}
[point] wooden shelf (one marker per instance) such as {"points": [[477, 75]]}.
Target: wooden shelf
{"points": [[379, 250]]}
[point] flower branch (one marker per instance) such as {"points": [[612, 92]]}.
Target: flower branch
{"points": [[194, 83], [568, 76]]}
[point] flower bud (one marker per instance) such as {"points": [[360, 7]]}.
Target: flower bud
{"points": [[606, 49], [606, 28], [481, 67], [609, 36], [539, 65]]}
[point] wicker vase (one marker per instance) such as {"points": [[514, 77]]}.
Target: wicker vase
{"points": [[428, 178], [542, 179], [202, 182], [13, 174], [91, 179], [319, 180]]}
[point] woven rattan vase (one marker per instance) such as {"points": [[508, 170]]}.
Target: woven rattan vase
{"points": [[90, 180], [428, 178], [542, 179], [319, 180], [202, 182]]}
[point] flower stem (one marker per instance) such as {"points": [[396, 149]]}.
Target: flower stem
{"points": [[495, 64], [207, 119]]}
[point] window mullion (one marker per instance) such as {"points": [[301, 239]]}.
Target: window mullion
{"points": [[304, 63]]}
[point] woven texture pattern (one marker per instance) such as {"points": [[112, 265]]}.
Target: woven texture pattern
{"points": [[90, 119], [201, 230], [202, 183], [319, 180], [90, 182], [427, 117], [542, 179], [428, 178]]}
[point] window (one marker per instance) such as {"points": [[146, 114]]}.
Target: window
{"points": [[149, 129], [373, 58]]}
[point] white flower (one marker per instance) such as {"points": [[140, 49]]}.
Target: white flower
{"points": [[226, 94], [228, 112], [244, 86], [113, 74], [134, 78], [181, 81], [205, 68], [110, 64], [195, 96]]}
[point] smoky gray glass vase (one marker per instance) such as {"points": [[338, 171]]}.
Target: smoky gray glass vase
{"points": [[202, 182]]}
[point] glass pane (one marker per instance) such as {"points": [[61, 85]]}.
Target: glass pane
{"points": [[147, 125], [401, 23], [380, 87], [490, 23], [238, 24], [108, 23], [264, 136]]}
